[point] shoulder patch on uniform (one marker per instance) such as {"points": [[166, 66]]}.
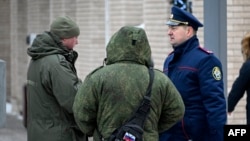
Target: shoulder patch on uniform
{"points": [[216, 72], [205, 50]]}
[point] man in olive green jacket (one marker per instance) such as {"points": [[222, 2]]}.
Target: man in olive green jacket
{"points": [[52, 84], [110, 94]]}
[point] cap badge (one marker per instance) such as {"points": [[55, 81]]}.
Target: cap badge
{"points": [[171, 16], [216, 73]]}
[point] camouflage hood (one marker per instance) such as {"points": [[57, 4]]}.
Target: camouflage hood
{"points": [[129, 44]]}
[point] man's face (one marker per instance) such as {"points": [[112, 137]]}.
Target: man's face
{"points": [[70, 42], [179, 34]]}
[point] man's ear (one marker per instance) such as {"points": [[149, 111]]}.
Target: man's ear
{"points": [[190, 31]]}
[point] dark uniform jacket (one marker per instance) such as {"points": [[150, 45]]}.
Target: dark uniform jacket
{"points": [[51, 87], [240, 86], [197, 75], [109, 95]]}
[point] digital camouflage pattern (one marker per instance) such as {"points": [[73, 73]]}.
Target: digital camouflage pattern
{"points": [[110, 94], [129, 44]]}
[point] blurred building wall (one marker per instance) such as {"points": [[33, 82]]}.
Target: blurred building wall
{"points": [[2, 93]]}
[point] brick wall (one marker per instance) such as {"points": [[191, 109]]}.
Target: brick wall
{"points": [[91, 48], [13, 48]]}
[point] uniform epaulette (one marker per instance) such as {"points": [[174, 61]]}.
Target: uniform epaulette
{"points": [[205, 50]]}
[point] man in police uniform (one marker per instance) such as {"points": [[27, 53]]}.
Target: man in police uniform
{"points": [[197, 74]]}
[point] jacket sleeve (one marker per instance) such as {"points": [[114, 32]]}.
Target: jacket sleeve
{"points": [[212, 90], [173, 107], [239, 87], [85, 107], [63, 82]]}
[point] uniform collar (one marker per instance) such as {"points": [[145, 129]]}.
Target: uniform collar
{"points": [[191, 43]]}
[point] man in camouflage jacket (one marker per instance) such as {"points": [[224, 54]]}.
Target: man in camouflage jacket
{"points": [[110, 94]]}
